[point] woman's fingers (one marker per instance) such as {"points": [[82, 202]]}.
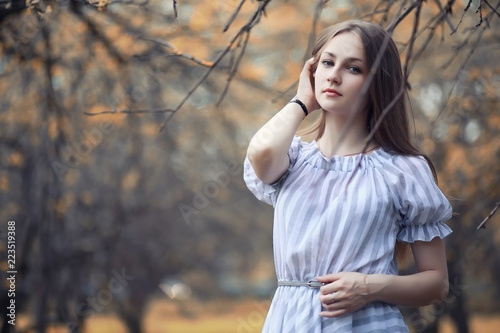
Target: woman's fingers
{"points": [[307, 69], [345, 292], [327, 299], [305, 90]]}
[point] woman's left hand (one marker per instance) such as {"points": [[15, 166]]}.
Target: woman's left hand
{"points": [[345, 292]]}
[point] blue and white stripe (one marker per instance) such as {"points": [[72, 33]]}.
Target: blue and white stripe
{"points": [[321, 227]]}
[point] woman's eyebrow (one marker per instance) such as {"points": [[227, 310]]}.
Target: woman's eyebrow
{"points": [[350, 59]]}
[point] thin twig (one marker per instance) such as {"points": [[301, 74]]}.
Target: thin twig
{"points": [[458, 48], [234, 68], [491, 7], [159, 110], [482, 224], [459, 72], [406, 68], [480, 10], [423, 47], [401, 16], [387, 10], [372, 14], [376, 10], [461, 17], [175, 52], [444, 13], [174, 3], [431, 24], [233, 16], [115, 2]]}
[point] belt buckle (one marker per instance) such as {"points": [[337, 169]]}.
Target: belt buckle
{"points": [[314, 284]]}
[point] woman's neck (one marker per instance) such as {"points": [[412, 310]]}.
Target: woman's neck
{"points": [[352, 143]]}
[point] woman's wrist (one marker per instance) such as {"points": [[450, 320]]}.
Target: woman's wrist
{"points": [[301, 104], [377, 285], [294, 109], [310, 106], [367, 286]]}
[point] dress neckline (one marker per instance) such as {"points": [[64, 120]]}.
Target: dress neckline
{"points": [[366, 153], [313, 156]]}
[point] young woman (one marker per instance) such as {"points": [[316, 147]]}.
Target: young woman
{"points": [[344, 203]]}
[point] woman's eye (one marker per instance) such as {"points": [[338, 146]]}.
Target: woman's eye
{"points": [[328, 62], [354, 69]]}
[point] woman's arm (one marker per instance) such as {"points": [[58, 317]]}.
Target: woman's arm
{"points": [[428, 285], [351, 291], [268, 148]]}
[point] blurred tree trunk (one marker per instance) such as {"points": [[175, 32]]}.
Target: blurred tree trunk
{"points": [[48, 217]]}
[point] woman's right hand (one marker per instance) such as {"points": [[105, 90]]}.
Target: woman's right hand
{"points": [[305, 91], [268, 149]]}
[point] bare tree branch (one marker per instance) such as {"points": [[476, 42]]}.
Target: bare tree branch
{"points": [[491, 7], [400, 17], [238, 37], [130, 111], [175, 52], [234, 68], [255, 19], [445, 12], [472, 49], [95, 31], [461, 17], [482, 225], [479, 9], [406, 69], [237, 46], [386, 11], [233, 16], [376, 10]]}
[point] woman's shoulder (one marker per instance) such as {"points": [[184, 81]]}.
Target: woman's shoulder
{"points": [[409, 162], [408, 166]]}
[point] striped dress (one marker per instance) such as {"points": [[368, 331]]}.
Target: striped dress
{"points": [[322, 227]]}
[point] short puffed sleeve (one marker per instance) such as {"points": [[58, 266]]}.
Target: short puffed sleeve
{"points": [[423, 206], [268, 192]]}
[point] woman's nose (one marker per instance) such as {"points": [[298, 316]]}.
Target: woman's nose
{"points": [[334, 75]]}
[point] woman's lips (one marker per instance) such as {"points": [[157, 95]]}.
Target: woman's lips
{"points": [[331, 92]]}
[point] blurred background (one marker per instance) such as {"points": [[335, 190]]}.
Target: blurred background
{"points": [[123, 129]]}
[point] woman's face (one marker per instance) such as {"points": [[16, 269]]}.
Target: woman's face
{"points": [[340, 74]]}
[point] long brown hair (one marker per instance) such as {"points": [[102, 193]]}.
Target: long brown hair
{"points": [[387, 94]]}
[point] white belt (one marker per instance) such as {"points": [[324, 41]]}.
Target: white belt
{"points": [[310, 284]]}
